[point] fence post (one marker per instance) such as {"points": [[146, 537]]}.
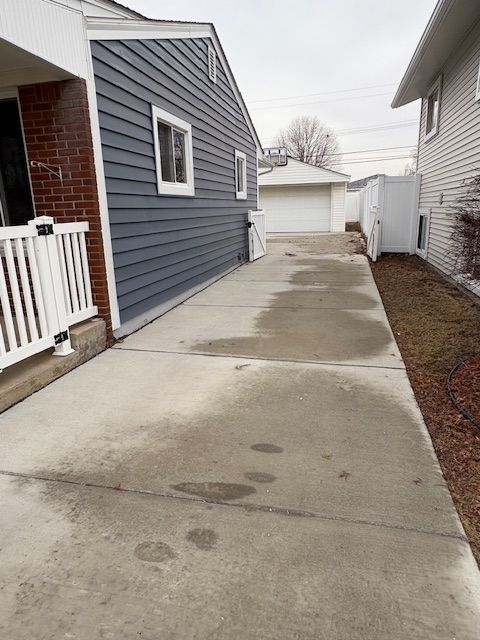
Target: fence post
{"points": [[51, 283]]}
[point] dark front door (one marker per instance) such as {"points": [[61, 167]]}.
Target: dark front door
{"points": [[16, 206]]}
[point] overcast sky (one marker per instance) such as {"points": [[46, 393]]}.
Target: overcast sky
{"points": [[350, 55]]}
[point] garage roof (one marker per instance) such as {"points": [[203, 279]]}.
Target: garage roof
{"points": [[296, 172]]}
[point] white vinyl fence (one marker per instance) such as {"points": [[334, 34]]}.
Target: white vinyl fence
{"points": [[352, 206], [257, 234], [44, 287]]}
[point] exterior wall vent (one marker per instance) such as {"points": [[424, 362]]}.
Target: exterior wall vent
{"points": [[212, 64], [277, 156]]}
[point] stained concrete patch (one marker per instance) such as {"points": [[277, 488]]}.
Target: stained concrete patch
{"points": [[260, 476], [188, 420], [215, 490], [322, 309], [204, 539], [266, 448], [153, 551], [312, 335], [342, 295], [271, 577]]}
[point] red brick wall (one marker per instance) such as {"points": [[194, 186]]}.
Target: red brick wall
{"points": [[57, 132]]}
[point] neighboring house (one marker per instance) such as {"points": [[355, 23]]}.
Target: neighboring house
{"points": [[444, 73], [136, 126], [301, 198], [355, 185]]}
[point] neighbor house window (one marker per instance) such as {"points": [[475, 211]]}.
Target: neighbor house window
{"points": [[173, 154], [433, 110], [240, 175], [422, 232]]}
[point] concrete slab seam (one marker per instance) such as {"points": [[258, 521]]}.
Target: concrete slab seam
{"points": [[249, 507]]}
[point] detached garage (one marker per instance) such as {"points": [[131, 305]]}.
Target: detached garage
{"points": [[300, 198]]}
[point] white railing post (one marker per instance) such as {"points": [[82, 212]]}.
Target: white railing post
{"points": [[51, 284]]}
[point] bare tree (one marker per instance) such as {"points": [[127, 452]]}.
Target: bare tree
{"points": [[309, 140], [410, 168]]}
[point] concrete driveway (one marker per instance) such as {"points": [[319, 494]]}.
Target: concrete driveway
{"points": [[252, 465]]}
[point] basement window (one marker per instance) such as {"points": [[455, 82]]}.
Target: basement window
{"points": [[173, 154], [433, 110], [422, 232], [240, 175]]}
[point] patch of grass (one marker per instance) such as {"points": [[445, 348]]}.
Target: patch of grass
{"points": [[436, 325]]}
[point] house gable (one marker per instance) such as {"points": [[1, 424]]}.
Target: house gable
{"points": [[132, 29]]}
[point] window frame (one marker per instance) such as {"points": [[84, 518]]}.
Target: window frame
{"points": [[173, 188], [241, 195], [425, 213], [437, 86]]}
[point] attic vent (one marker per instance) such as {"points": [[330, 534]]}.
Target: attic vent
{"points": [[277, 156], [212, 64]]}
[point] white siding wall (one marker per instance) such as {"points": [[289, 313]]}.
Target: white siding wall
{"points": [[296, 172], [454, 154], [339, 192], [51, 32]]}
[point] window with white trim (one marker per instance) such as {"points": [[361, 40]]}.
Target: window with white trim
{"points": [[422, 232], [433, 110], [240, 175], [173, 154], [212, 64]]}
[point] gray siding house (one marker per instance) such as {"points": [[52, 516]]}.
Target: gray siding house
{"points": [[176, 158], [169, 242], [444, 74]]}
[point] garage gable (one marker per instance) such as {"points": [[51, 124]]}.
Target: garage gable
{"points": [[296, 172]]}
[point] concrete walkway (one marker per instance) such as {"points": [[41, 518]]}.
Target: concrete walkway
{"points": [[251, 466]]}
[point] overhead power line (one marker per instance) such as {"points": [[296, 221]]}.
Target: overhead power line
{"points": [[363, 160], [348, 153], [367, 129], [323, 93], [302, 104]]}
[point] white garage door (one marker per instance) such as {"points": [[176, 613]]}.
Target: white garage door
{"points": [[296, 209]]}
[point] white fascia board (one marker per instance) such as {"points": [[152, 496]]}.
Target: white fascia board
{"points": [[315, 168], [98, 29], [128, 29], [107, 9], [450, 22]]}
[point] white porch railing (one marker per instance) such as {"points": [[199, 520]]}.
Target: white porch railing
{"points": [[44, 287]]}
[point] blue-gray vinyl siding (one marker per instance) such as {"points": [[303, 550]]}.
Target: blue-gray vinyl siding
{"points": [[166, 246]]}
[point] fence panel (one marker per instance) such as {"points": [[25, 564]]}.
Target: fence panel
{"points": [[44, 287], [257, 234]]}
